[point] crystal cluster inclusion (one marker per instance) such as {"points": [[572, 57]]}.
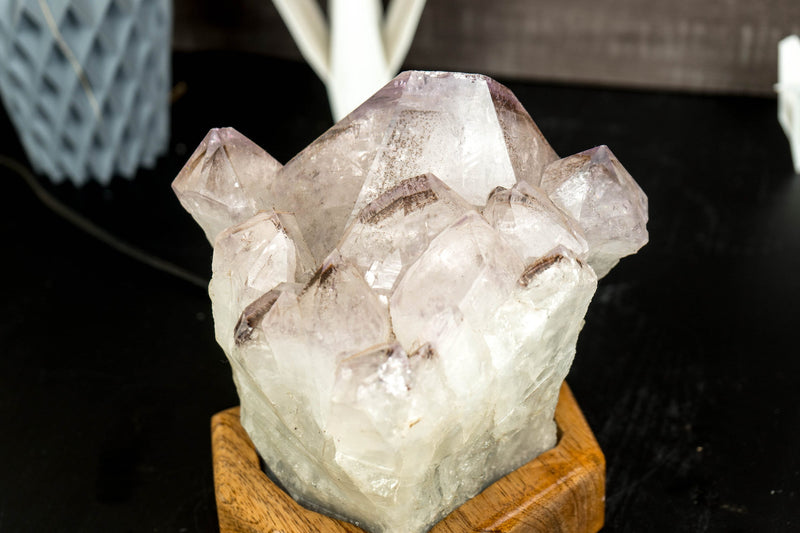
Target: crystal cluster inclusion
{"points": [[401, 301]]}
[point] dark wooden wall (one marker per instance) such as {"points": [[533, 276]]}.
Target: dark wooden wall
{"points": [[727, 46]]}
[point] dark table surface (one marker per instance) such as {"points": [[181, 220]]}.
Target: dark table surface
{"points": [[687, 369]]}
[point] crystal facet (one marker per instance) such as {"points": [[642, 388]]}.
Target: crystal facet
{"points": [[401, 302], [394, 229], [595, 189], [526, 217]]}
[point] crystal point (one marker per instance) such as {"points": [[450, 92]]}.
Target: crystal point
{"points": [[528, 150], [466, 129], [596, 190], [224, 181]]}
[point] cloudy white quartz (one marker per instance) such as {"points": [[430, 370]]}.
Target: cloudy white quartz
{"points": [[401, 301]]}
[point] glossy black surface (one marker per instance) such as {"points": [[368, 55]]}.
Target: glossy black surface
{"points": [[687, 368]]}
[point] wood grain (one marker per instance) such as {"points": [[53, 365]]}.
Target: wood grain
{"points": [[562, 490]]}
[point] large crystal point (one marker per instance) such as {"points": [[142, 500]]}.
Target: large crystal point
{"points": [[598, 192], [401, 302], [466, 129], [225, 180]]}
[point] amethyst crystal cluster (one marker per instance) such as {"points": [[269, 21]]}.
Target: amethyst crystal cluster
{"points": [[401, 301]]}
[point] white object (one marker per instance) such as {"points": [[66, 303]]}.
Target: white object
{"points": [[788, 88], [394, 361], [361, 49]]}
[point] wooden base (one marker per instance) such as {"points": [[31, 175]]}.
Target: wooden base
{"points": [[561, 490]]}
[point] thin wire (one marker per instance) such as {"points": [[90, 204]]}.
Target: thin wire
{"points": [[84, 224], [67, 51]]}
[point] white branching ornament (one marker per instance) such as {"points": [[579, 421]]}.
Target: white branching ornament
{"points": [[358, 50], [788, 88]]}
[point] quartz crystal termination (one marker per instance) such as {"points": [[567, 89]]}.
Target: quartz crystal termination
{"points": [[595, 189], [401, 302], [223, 183]]}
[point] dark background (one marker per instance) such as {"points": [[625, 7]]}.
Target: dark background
{"points": [[687, 368], [721, 46]]}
